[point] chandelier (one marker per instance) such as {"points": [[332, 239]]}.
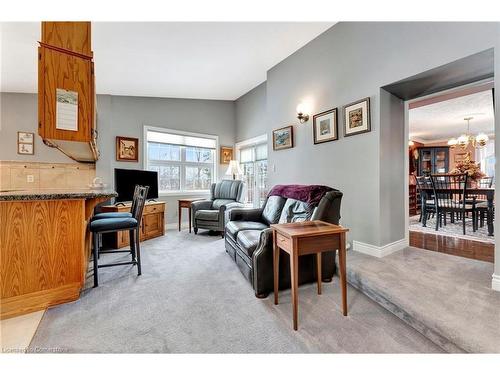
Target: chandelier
{"points": [[467, 139]]}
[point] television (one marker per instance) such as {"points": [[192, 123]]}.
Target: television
{"points": [[126, 179]]}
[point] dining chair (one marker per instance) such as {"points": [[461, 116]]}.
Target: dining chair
{"points": [[482, 201], [424, 182], [450, 191], [117, 224]]}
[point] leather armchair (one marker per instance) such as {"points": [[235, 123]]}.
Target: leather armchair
{"points": [[211, 213]]}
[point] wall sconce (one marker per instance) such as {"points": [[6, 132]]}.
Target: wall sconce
{"points": [[302, 113]]}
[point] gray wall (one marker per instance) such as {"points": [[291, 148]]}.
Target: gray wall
{"points": [[497, 147], [19, 112], [123, 116], [126, 116], [251, 114], [348, 62]]}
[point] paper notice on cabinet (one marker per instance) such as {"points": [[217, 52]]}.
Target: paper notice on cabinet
{"points": [[66, 110]]}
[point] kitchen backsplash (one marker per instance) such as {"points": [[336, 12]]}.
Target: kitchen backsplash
{"points": [[33, 175]]}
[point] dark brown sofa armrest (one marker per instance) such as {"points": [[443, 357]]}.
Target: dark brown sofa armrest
{"points": [[246, 214]]}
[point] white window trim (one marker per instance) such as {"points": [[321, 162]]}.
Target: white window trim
{"points": [[160, 129], [248, 143], [251, 142]]}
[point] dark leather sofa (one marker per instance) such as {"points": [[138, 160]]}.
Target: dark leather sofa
{"points": [[248, 240]]}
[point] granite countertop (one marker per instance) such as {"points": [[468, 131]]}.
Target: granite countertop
{"points": [[49, 194]]}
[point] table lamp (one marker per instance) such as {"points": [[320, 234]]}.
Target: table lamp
{"points": [[234, 169]]}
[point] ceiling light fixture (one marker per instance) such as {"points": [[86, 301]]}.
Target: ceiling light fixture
{"points": [[467, 139]]}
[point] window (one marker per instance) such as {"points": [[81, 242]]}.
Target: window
{"points": [[486, 158], [253, 160], [185, 162]]}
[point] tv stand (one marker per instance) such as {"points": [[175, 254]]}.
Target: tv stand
{"points": [[152, 200], [152, 223]]}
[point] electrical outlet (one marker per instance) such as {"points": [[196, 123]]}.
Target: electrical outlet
{"points": [[30, 178]]}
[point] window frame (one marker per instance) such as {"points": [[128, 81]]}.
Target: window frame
{"points": [[182, 163], [252, 143]]}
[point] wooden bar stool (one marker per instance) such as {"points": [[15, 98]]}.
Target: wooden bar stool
{"points": [[115, 224]]}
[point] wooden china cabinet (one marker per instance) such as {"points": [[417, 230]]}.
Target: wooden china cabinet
{"points": [[433, 160]]}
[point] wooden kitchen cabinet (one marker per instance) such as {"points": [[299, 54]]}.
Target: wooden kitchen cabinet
{"points": [[152, 224], [70, 36], [65, 62]]}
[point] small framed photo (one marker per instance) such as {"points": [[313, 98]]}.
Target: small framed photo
{"points": [[25, 143], [25, 149], [357, 117], [127, 149], [325, 127], [226, 154], [283, 138]]}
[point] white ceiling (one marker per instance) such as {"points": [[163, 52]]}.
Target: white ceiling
{"points": [[166, 59], [443, 120]]}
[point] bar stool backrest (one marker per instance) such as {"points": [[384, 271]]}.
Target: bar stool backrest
{"points": [[134, 199], [140, 202]]}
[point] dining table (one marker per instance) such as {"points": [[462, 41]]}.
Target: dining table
{"points": [[489, 192]]}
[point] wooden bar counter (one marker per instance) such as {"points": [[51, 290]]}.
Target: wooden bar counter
{"points": [[44, 247]]}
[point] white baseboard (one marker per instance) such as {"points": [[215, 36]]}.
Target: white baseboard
{"points": [[495, 282], [379, 251]]}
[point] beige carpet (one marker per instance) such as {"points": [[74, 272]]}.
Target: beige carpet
{"points": [[192, 298]]}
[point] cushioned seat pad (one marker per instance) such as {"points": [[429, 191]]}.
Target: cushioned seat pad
{"points": [[233, 227], [111, 215], [248, 240], [113, 223], [210, 215]]}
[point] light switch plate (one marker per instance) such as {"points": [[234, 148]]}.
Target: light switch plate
{"points": [[30, 178]]}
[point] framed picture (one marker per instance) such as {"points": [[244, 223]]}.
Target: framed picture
{"points": [[283, 138], [25, 148], [127, 149], [357, 117], [25, 143], [226, 154], [325, 127]]}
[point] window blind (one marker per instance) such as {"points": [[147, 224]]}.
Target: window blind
{"points": [[261, 152], [181, 140]]}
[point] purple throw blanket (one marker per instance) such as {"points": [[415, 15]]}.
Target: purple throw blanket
{"points": [[311, 194]]}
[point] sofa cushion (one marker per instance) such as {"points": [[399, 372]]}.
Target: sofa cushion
{"points": [[233, 227], [218, 203], [272, 211], [295, 210], [209, 215], [248, 241]]}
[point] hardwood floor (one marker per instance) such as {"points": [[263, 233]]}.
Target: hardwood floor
{"points": [[453, 245]]}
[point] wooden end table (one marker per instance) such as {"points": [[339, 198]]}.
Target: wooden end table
{"points": [[308, 237], [186, 203]]}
